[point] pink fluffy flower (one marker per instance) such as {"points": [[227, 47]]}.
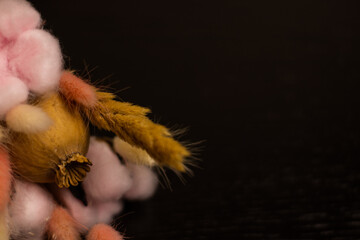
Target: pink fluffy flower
{"points": [[30, 58]]}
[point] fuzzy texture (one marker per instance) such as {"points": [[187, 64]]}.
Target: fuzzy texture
{"points": [[2, 134], [29, 211], [55, 155], [107, 210], [36, 57], [144, 182], [28, 119], [62, 226], [16, 17], [12, 92], [130, 124], [4, 231], [103, 232], [95, 212], [108, 179], [77, 90], [131, 153], [30, 58], [85, 215], [5, 179]]}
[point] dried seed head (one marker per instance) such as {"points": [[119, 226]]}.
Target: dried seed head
{"points": [[72, 170], [57, 154]]}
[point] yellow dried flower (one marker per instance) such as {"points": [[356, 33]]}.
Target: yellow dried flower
{"points": [[57, 154], [130, 123]]}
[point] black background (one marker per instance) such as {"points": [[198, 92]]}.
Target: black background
{"points": [[272, 88]]}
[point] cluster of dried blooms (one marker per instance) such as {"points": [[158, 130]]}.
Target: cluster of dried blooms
{"points": [[45, 144]]}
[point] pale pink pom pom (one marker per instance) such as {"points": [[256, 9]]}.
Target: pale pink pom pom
{"points": [[16, 17], [12, 92], [144, 182], [102, 212], [3, 62], [108, 178], [103, 232], [84, 215], [36, 58], [30, 209], [107, 210]]}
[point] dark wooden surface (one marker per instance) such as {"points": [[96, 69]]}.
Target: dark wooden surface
{"points": [[272, 86]]}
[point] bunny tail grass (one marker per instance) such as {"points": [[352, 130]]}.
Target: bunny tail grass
{"points": [[28, 119], [129, 122], [62, 226], [5, 179], [2, 134], [77, 90], [103, 232], [4, 230], [132, 154]]}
